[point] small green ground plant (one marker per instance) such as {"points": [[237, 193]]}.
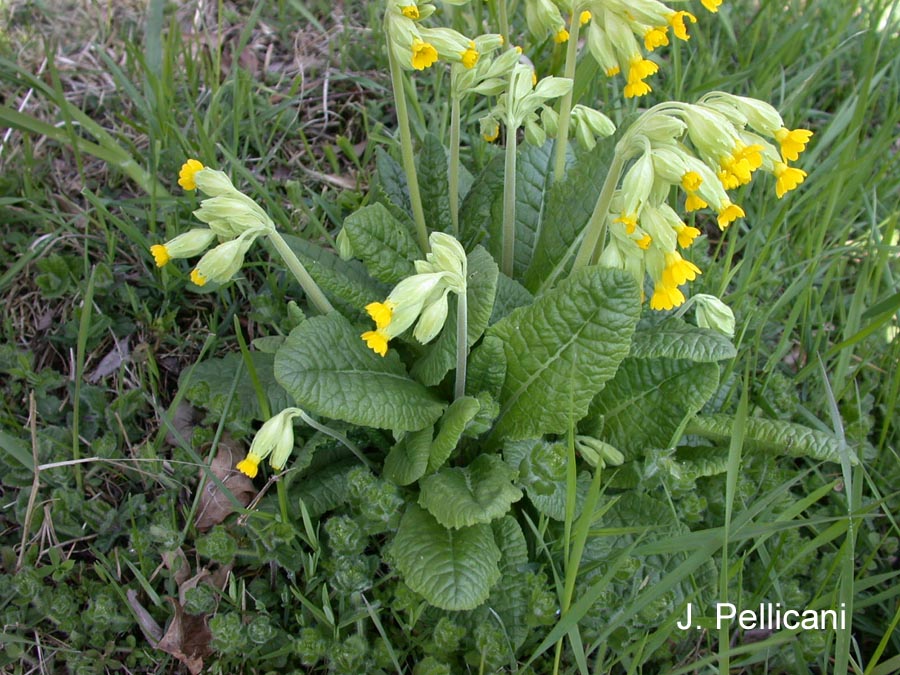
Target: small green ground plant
{"points": [[504, 435]]}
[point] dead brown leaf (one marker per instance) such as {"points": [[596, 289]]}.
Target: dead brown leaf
{"points": [[214, 504]]}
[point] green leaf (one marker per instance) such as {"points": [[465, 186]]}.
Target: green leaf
{"points": [[487, 367], [562, 349], [384, 244], [568, 208], [647, 400], [451, 569], [775, 436], [329, 371], [326, 489], [407, 461], [434, 184], [464, 496], [676, 339], [510, 599], [211, 380], [343, 280], [481, 215], [481, 287], [391, 188], [453, 424], [542, 469], [510, 294]]}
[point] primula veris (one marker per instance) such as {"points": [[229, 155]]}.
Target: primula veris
{"points": [[711, 5], [787, 178], [729, 214], [666, 297], [424, 55], [676, 20], [410, 12], [686, 235], [562, 35], [191, 243], [186, 175], [678, 270], [656, 37], [713, 313], [792, 142], [469, 58], [584, 17], [275, 438]]}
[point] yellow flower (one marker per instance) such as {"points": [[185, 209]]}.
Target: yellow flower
{"points": [[381, 313], [613, 71], [729, 213], [694, 202], [691, 181], [629, 221], [656, 37], [644, 242], [676, 20], [584, 17], [639, 68], [666, 297], [562, 35], [376, 341], [711, 5], [470, 57], [410, 12], [792, 142], [198, 278], [787, 178], [637, 88], [678, 270], [686, 235], [423, 54], [186, 175], [160, 254], [249, 466]]}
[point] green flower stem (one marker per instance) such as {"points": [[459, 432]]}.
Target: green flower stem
{"points": [[454, 164], [307, 283], [565, 103], [406, 152], [595, 230], [504, 20], [462, 343], [509, 202]]}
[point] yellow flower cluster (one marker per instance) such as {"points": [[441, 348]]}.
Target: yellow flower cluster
{"points": [[417, 47], [705, 150], [617, 28], [232, 218]]}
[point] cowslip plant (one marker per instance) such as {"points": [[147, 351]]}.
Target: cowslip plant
{"points": [[515, 364]]}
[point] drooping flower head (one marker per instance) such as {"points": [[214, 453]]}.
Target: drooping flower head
{"points": [[275, 438]]}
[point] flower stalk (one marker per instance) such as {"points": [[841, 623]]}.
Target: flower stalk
{"points": [[565, 103], [406, 152], [307, 283], [462, 344], [595, 231], [509, 203], [454, 163]]}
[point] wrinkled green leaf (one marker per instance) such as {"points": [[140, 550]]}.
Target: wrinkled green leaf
{"points": [[510, 294], [391, 188], [385, 245], [453, 424], [569, 204], [487, 367], [463, 496], [647, 400], [407, 461], [562, 349], [329, 371], [510, 599], [434, 184], [676, 339], [451, 569], [481, 286], [775, 436]]}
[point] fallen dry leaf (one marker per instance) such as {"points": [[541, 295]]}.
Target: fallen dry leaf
{"points": [[215, 505]]}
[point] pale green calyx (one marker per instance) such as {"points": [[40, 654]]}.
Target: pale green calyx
{"points": [[598, 453], [713, 313]]}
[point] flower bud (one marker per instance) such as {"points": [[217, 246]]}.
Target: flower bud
{"points": [[713, 313], [275, 437], [214, 183], [191, 243], [597, 452], [432, 319], [345, 247], [534, 134], [224, 261]]}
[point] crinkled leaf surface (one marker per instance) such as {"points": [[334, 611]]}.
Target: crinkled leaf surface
{"points": [[434, 183], [481, 286], [511, 597], [647, 400], [407, 461], [391, 188], [463, 496], [568, 207], [510, 294], [384, 244], [451, 569], [562, 349], [676, 339], [329, 371], [775, 436], [487, 367], [453, 424]]}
